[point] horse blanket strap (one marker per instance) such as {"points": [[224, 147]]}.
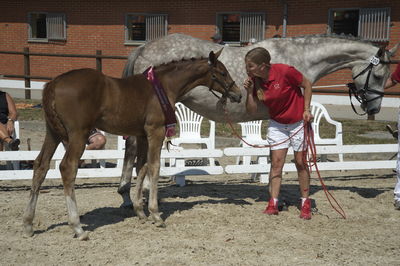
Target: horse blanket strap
{"points": [[170, 119]]}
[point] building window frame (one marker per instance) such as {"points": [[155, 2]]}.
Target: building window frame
{"points": [[47, 26], [149, 26], [248, 25], [373, 23]]}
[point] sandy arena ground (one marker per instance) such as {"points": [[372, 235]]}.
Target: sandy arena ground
{"points": [[214, 220]]}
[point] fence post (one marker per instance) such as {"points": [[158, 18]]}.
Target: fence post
{"points": [[27, 72], [98, 61]]}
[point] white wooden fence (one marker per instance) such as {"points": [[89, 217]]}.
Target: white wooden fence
{"points": [[180, 170], [261, 165]]}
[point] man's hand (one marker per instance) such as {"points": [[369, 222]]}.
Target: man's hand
{"points": [[248, 85]]}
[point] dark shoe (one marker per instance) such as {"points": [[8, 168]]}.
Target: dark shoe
{"points": [[14, 144], [306, 210], [397, 205], [272, 209]]}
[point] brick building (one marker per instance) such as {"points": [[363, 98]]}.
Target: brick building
{"points": [[117, 27]]}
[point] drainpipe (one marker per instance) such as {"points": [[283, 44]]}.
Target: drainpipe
{"points": [[285, 16]]}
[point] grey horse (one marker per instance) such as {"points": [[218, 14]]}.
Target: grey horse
{"points": [[314, 56]]}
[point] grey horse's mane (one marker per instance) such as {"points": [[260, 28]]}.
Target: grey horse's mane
{"points": [[329, 37]]}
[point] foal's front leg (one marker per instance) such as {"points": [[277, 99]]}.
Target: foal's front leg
{"points": [[153, 172]]}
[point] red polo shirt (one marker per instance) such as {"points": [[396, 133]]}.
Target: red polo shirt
{"points": [[396, 74], [283, 95]]}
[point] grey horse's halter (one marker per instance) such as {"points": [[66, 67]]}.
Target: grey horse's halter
{"points": [[361, 95]]}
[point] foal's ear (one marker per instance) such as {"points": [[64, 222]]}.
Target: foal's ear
{"points": [[212, 58]]}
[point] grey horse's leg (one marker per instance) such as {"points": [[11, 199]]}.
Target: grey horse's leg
{"points": [[126, 177], [141, 169], [40, 168], [69, 169]]}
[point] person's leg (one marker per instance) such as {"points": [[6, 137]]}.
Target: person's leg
{"points": [[6, 138], [275, 175], [278, 139], [303, 174], [97, 142], [297, 142]]}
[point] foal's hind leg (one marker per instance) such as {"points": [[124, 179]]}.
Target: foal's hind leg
{"points": [[126, 177], [68, 169], [40, 168]]}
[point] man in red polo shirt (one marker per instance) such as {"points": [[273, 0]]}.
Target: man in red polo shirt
{"points": [[393, 80], [278, 86]]}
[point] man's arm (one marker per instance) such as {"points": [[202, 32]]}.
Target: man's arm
{"points": [[306, 85]]}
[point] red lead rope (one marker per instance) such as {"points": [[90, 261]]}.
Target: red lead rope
{"points": [[309, 156]]}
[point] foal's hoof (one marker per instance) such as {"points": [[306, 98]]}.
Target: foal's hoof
{"points": [[160, 224], [28, 229], [141, 215], [83, 237]]}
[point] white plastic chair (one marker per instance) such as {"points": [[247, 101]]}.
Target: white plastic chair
{"points": [[251, 133], [319, 112], [190, 129], [15, 165]]}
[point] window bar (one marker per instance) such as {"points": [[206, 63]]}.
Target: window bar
{"points": [[387, 25]]}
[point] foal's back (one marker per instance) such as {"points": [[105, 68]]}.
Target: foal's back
{"points": [[87, 98]]}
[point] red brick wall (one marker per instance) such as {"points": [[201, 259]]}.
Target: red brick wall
{"points": [[99, 25]]}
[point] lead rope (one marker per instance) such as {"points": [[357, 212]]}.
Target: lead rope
{"points": [[309, 156]]}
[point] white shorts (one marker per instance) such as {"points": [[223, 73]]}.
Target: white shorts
{"points": [[280, 133]]}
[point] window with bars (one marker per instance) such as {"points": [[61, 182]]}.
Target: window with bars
{"points": [[371, 24], [145, 27], [47, 26], [240, 27]]}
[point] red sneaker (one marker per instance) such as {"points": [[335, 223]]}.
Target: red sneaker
{"points": [[272, 209], [306, 210]]}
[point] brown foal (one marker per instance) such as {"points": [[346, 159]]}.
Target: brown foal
{"points": [[79, 100]]}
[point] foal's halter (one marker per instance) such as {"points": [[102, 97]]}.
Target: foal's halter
{"points": [[361, 95], [214, 78]]}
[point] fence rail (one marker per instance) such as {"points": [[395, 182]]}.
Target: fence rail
{"points": [[27, 66]]}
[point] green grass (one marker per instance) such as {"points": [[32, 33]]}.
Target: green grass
{"points": [[352, 129]]}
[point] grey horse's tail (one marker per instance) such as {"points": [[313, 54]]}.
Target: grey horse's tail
{"points": [[53, 121], [130, 65]]}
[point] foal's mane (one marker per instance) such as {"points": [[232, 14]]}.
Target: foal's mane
{"points": [[178, 64]]}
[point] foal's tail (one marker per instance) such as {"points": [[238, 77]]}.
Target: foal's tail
{"points": [[130, 64], [49, 106]]}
